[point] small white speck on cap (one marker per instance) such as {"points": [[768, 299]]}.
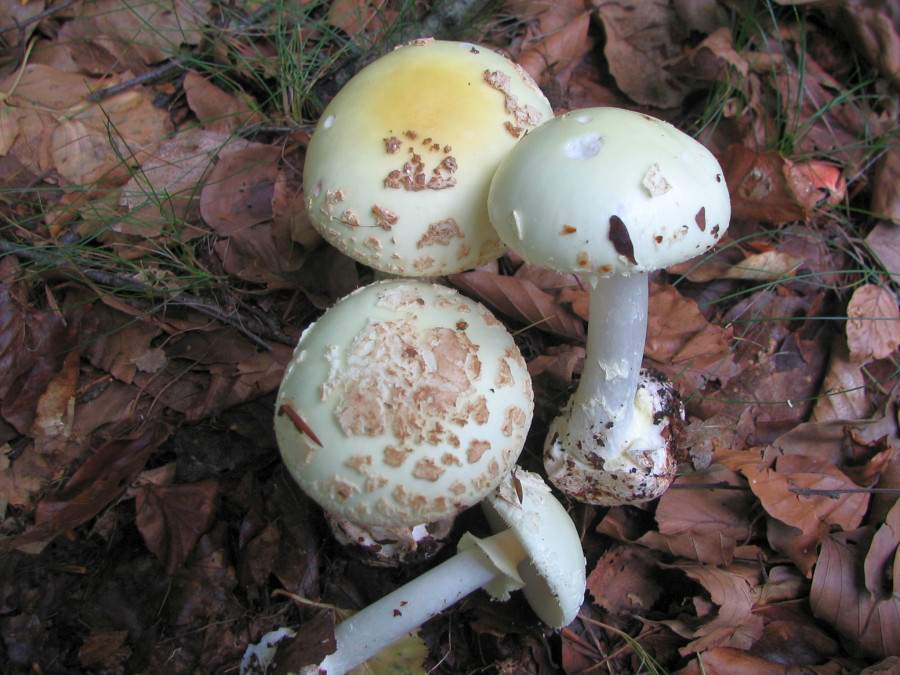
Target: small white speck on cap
{"points": [[583, 147], [328, 122], [517, 223]]}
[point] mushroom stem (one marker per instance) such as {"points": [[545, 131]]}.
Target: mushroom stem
{"points": [[387, 620], [601, 409]]}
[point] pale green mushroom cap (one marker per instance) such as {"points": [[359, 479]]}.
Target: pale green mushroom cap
{"points": [[605, 191], [398, 169], [405, 403]]}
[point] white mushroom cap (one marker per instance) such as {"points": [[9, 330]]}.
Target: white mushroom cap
{"points": [[605, 191], [553, 575], [398, 169], [405, 403]]}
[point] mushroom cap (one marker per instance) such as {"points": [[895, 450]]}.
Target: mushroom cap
{"points": [[553, 577], [405, 403], [605, 191], [398, 169]]}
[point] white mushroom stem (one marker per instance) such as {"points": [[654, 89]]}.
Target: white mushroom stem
{"points": [[384, 622], [601, 410]]}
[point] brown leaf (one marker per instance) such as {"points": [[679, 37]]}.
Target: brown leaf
{"points": [[884, 240], [238, 191], [177, 171], [886, 187], [781, 493], [172, 518], [728, 661], [641, 38], [733, 624], [522, 301], [871, 627], [557, 43], [219, 111], [873, 325], [766, 266], [100, 480], [766, 186], [881, 580], [625, 581], [871, 30], [683, 343], [139, 34], [713, 509]]}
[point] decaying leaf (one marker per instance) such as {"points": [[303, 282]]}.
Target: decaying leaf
{"points": [[766, 186], [796, 492], [870, 626], [873, 323], [624, 581], [171, 518], [641, 38], [522, 301]]}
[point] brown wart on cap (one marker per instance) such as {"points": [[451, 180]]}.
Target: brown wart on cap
{"points": [[646, 180]]}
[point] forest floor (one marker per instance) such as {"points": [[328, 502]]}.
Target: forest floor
{"points": [[158, 267]]}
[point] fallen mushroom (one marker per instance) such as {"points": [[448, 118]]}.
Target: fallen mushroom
{"points": [[404, 404], [397, 171], [611, 195], [535, 548]]}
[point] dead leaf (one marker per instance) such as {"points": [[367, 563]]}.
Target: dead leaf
{"points": [[237, 193], [555, 43], [684, 344], [624, 581], [870, 626], [811, 513], [886, 187], [872, 31], [218, 111], [732, 622], [165, 192], [100, 480], [873, 323], [884, 240], [172, 518], [766, 186], [522, 301], [880, 560], [641, 38], [139, 34], [764, 266], [843, 392]]}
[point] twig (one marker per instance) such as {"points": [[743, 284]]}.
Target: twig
{"points": [[247, 326], [837, 492], [707, 486], [38, 17], [151, 76]]}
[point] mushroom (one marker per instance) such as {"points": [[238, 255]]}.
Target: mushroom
{"points": [[535, 548], [397, 171], [611, 195], [404, 404]]}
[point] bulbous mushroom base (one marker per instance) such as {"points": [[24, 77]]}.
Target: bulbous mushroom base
{"points": [[391, 547], [640, 469]]}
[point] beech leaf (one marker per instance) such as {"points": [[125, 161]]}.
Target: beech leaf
{"points": [[837, 597], [781, 492], [172, 518], [522, 301], [873, 325]]}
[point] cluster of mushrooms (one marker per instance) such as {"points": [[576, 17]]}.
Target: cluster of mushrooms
{"points": [[407, 402]]}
